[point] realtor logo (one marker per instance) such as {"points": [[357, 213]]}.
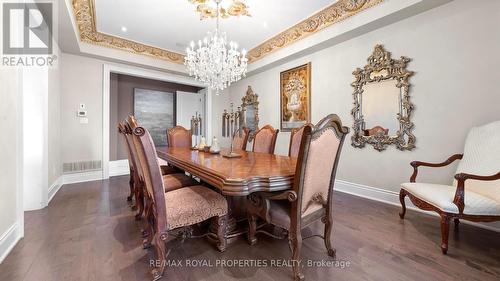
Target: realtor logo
{"points": [[27, 30]]}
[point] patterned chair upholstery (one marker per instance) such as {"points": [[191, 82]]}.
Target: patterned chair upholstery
{"points": [[179, 136], [295, 139], [474, 193], [240, 140], [312, 196], [173, 178], [179, 208], [265, 139]]}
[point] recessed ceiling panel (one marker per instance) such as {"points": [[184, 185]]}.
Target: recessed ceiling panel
{"points": [[172, 24]]}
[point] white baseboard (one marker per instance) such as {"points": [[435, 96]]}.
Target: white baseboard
{"points": [[119, 168], [54, 188], [8, 240], [392, 198], [82, 177]]}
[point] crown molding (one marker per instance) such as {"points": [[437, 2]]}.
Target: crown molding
{"points": [[84, 12], [332, 14], [85, 17]]}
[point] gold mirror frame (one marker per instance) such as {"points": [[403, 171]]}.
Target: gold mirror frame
{"points": [[250, 98], [382, 67]]}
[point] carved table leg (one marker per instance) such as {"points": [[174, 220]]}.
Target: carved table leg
{"points": [[252, 229]]}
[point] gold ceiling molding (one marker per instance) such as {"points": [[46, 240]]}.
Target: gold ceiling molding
{"points": [[334, 13], [84, 11], [85, 17]]}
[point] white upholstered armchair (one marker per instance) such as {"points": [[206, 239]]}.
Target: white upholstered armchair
{"points": [[475, 192]]}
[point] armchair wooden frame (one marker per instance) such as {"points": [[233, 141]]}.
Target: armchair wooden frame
{"points": [[459, 199], [273, 140], [260, 202]]}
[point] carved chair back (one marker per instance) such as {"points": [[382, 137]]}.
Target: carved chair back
{"points": [[482, 157], [123, 131], [265, 139], [130, 125], [152, 177], [179, 136], [240, 140], [296, 139], [317, 166]]}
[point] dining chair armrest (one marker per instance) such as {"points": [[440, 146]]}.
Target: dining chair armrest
{"points": [[289, 195], [416, 164], [459, 198]]}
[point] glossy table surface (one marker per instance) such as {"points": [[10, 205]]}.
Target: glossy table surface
{"points": [[234, 176]]}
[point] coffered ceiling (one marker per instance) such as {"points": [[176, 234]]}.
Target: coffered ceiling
{"points": [[163, 28]]}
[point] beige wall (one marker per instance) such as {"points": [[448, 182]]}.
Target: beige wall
{"points": [[9, 143], [454, 52], [81, 82]]}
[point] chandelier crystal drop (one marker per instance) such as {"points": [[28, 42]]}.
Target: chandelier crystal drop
{"points": [[214, 62]]}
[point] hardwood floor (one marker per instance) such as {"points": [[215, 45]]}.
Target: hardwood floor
{"points": [[88, 233]]}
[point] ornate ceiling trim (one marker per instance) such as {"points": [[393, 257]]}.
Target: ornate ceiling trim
{"points": [[85, 17], [84, 12], [334, 13]]}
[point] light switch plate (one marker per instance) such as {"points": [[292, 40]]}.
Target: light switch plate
{"points": [[84, 120]]}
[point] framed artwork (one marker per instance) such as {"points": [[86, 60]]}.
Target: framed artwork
{"points": [[295, 97], [155, 111]]}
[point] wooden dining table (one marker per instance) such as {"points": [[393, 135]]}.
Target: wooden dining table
{"points": [[234, 177], [251, 172]]}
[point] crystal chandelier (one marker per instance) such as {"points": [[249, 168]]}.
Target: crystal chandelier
{"points": [[214, 62]]}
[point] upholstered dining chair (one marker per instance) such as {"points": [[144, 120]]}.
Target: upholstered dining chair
{"points": [[122, 131], [178, 208], [240, 140], [296, 139], [474, 194], [173, 178], [179, 136], [265, 139], [312, 195]]}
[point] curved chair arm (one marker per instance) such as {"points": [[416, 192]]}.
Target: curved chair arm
{"points": [[416, 164], [260, 202], [289, 195], [459, 198]]}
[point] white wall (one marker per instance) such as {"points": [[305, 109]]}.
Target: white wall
{"points": [[454, 52], [10, 228], [54, 123], [35, 137]]}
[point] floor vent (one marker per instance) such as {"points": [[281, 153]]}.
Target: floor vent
{"points": [[82, 166]]}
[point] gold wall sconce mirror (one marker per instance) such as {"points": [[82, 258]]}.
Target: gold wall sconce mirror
{"points": [[250, 105], [382, 107]]}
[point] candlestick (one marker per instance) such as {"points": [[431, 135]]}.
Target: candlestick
{"points": [[232, 122]]}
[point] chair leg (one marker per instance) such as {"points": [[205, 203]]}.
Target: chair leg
{"points": [[402, 195], [131, 185], [139, 202], [221, 223], [295, 241], [252, 229], [445, 231], [457, 222], [148, 232], [328, 220], [161, 255]]}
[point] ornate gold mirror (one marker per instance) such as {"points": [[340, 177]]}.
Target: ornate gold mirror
{"points": [[250, 107], [382, 107]]}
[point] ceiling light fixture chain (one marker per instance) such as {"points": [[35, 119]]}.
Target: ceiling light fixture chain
{"points": [[216, 63]]}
